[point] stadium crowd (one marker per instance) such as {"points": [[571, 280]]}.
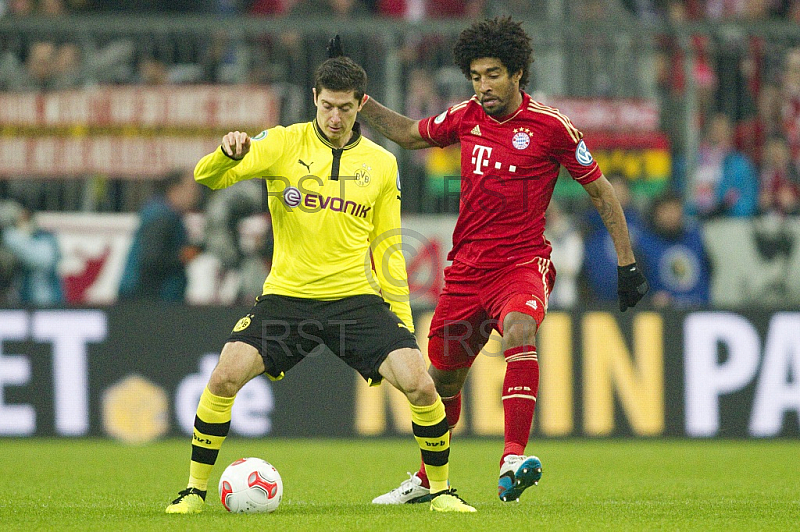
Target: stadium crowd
{"points": [[746, 84]]}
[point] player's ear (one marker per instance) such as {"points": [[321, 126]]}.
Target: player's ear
{"points": [[516, 76], [314, 93]]}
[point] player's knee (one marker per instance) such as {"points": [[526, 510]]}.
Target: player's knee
{"points": [[520, 329], [448, 382], [234, 369], [421, 392], [225, 381]]}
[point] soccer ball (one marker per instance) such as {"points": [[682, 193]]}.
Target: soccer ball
{"points": [[250, 485]]}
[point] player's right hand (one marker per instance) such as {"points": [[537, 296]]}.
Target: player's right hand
{"points": [[236, 144]]}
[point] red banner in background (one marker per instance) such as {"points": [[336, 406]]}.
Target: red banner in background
{"points": [[593, 114], [131, 132], [204, 106]]}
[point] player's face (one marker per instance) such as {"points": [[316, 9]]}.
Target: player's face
{"points": [[497, 90], [336, 114]]}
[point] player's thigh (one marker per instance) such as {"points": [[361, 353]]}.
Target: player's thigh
{"points": [[521, 289], [405, 370], [277, 327], [238, 364], [363, 331], [459, 330]]}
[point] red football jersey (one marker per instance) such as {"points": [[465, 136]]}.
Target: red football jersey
{"points": [[509, 169]]}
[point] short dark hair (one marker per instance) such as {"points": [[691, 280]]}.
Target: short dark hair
{"points": [[500, 38], [170, 180], [341, 74], [665, 198]]}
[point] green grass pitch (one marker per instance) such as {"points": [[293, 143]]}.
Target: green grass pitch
{"points": [[328, 484]]}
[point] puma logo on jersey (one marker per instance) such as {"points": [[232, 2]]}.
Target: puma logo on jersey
{"points": [[308, 166], [532, 303]]}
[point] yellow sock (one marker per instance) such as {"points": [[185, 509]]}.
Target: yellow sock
{"points": [[433, 436], [211, 425]]}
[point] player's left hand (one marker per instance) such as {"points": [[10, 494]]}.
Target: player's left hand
{"points": [[631, 286], [334, 48]]}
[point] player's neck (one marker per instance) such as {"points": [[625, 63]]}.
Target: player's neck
{"points": [[344, 140], [513, 107], [514, 104]]}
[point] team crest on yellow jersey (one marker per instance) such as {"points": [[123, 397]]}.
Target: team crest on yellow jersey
{"points": [[242, 324], [362, 176]]}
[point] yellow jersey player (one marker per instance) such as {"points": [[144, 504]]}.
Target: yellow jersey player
{"points": [[338, 275]]}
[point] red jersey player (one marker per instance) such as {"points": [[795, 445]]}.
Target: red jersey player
{"points": [[511, 150]]}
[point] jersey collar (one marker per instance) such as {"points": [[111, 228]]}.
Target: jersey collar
{"points": [[354, 140], [504, 119]]}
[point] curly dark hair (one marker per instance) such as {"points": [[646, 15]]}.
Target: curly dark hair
{"points": [[500, 38], [341, 74]]}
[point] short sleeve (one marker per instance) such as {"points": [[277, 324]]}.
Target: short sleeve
{"points": [[442, 130], [571, 151]]}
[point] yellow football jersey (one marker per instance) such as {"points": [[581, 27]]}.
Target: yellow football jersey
{"points": [[335, 213]]}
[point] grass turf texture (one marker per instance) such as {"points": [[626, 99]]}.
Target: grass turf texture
{"points": [[328, 485]]}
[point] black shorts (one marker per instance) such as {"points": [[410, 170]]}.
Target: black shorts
{"points": [[361, 330]]}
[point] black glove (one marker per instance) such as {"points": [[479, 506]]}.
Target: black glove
{"points": [[631, 286], [335, 47]]}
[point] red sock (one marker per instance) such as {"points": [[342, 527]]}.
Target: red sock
{"points": [[423, 475], [452, 409], [520, 386]]}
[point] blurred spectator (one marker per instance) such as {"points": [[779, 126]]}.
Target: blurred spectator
{"points": [[36, 253], [600, 266], [52, 8], [237, 247], [674, 256], [752, 133], [256, 244], [263, 8], [651, 11], [790, 95], [156, 265], [671, 78], [168, 6], [423, 100], [780, 182], [225, 210], [518, 9], [725, 181], [47, 67], [417, 10], [302, 54], [342, 9], [567, 253], [152, 71], [20, 8], [9, 265]]}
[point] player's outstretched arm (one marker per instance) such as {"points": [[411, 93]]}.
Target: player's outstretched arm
{"points": [[225, 166], [394, 126], [632, 285]]}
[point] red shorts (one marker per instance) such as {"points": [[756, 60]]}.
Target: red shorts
{"points": [[475, 301]]}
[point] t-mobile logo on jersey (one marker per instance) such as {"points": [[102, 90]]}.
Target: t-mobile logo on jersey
{"points": [[480, 158]]}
